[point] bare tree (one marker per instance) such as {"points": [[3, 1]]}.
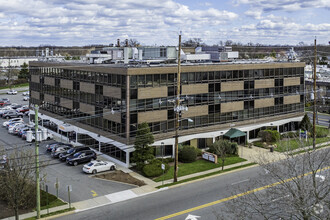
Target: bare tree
{"points": [[17, 180], [296, 187], [222, 148]]}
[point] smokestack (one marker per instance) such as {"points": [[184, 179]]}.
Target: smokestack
{"points": [[126, 42], [118, 42]]}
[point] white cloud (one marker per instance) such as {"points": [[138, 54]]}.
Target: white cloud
{"points": [[286, 5], [91, 21]]}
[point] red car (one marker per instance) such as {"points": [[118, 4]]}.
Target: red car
{"points": [[4, 101], [23, 109]]}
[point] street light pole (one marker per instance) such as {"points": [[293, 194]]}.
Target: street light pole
{"points": [[176, 161], [37, 159], [314, 109]]}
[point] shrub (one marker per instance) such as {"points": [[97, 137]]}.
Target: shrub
{"points": [[269, 136], [154, 168], [290, 134], [233, 149], [321, 132], [198, 152], [187, 154]]}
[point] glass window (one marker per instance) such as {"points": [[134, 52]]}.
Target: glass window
{"points": [[156, 80]]}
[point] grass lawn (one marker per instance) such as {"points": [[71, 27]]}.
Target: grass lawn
{"points": [[293, 144], [197, 166]]}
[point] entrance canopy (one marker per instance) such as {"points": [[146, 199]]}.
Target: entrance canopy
{"points": [[234, 133]]}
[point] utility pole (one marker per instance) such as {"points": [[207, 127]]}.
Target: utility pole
{"points": [[314, 109], [9, 74], [177, 115], [37, 159]]}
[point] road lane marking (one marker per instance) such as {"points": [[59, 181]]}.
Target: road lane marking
{"points": [[236, 196], [240, 181], [274, 200], [94, 193]]}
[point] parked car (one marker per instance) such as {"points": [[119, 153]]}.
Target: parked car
{"points": [[12, 120], [4, 110], [11, 127], [4, 101], [50, 146], [12, 92], [26, 98], [96, 166], [81, 157], [23, 131], [71, 152], [27, 93], [23, 109], [60, 149], [27, 113], [17, 130], [15, 106], [12, 114]]}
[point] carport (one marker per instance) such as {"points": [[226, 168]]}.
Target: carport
{"points": [[235, 135]]}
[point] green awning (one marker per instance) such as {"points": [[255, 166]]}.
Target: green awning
{"points": [[234, 133]]}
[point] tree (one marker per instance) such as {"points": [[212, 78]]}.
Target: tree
{"points": [[17, 180], [221, 148], [228, 42], [193, 42], [24, 72], [295, 187], [143, 153], [306, 124]]}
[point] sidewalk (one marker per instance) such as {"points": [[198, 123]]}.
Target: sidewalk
{"points": [[254, 154], [33, 214]]}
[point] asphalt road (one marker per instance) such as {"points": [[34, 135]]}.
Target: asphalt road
{"points": [[205, 198], [322, 119], [83, 185]]}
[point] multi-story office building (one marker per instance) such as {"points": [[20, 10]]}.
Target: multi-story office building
{"points": [[103, 104]]}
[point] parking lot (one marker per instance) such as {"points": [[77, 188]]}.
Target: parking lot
{"points": [[84, 186]]}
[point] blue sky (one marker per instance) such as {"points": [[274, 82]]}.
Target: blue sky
{"points": [[158, 22]]}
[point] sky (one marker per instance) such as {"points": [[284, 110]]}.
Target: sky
{"points": [[159, 22]]}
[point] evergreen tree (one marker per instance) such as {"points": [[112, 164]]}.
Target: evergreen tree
{"points": [[143, 151], [306, 124], [24, 72]]}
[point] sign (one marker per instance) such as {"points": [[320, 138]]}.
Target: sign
{"points": [[163, 166], [210, 157], [57, 185], [70, 188]]}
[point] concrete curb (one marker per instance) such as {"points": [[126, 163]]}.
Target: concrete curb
{"points": [[59, 215], [212, 176]]}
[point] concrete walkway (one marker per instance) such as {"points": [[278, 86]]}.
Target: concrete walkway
{"points": [[33, 214], [254, 154]]}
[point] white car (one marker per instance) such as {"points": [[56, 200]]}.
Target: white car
{"points": [[27, 93], [12, 128], [12, 120], [11, 92], [5, 109], [26, 98], [96, 166]]}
